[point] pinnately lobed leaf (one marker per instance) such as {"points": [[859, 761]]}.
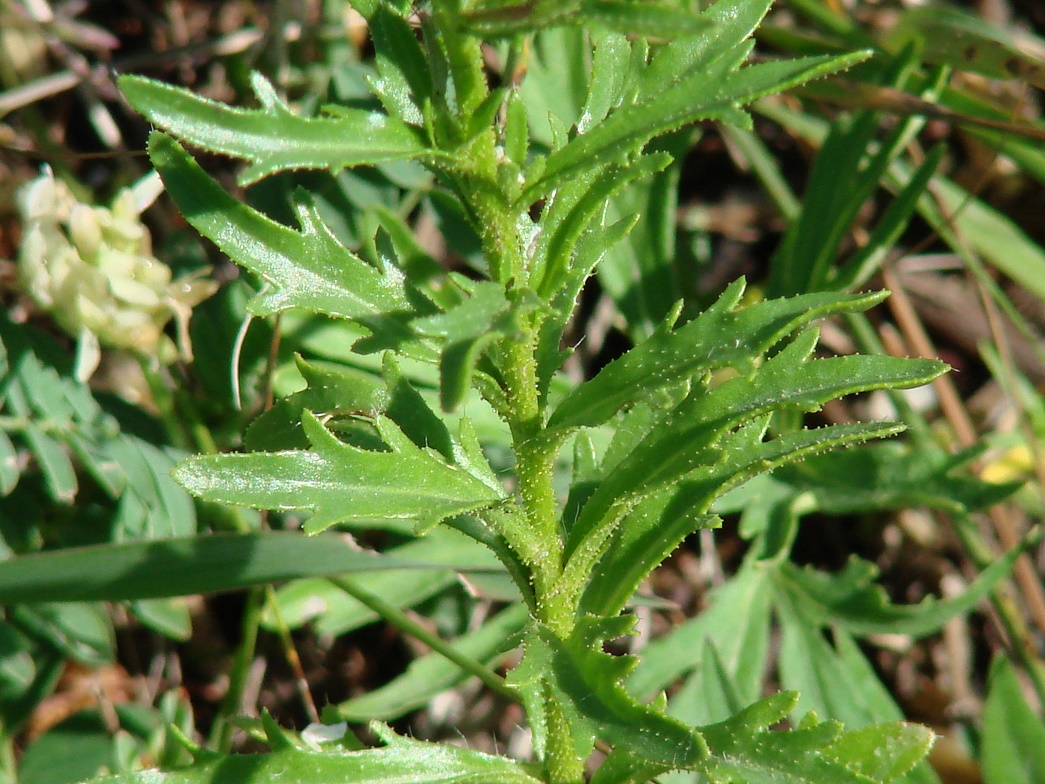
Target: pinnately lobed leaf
{"points": [[688, 435], [588, 683], [723, 335], [273, 138], [307, 269], [340, 482], [402, 761], [743, 749]]}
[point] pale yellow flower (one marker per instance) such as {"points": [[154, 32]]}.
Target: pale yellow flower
{"points": [[93, 269]]}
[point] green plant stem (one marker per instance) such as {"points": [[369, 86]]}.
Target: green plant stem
{"points": [[535, 455], [221, 733], [405, 623], [563, 764], [197, 432], [535, 450], [290, 653], [163, 398], [8, 765]]}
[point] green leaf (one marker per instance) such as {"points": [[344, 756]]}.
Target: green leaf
{"points": [[569, 214], [54, 463], [171, 617], [658, 525], [686, 436], [556, 84], [401, 760], [708, 90], [847, 171], [949, 36], [81, 631], [722, 336], [611, 62], [75, 748], [309, 269], [837, 681], [893, 476], [273, 138], [178, 567], [648, 19], [882, 752], [588, 684], [404, 84], [734, 20], [736, 623], [9, 472], [340, 482], [487, 316], [332, 392], [866, 261], [742, 749], [853, 601], [995, 236], [409, 410], [1013, 733], [640, 272], [163, 509]]}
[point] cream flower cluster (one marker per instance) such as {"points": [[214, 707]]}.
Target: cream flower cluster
{"points": [[92, 268]]}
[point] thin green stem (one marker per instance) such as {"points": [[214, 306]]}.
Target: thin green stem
{"points": [[408, 625], [163, 399], [8, 765], [290, 653], [221, 733]]}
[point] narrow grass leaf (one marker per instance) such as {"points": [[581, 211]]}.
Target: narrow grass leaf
{"points": [[178, 567], [994, 236]]}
